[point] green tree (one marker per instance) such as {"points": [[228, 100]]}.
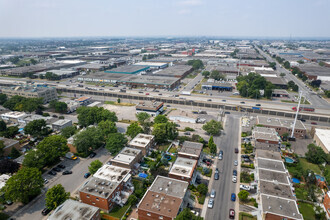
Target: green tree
{"points": [[94, 166], [133, 130], [14, 153], [3, 98], [144, 120], [186, 214], [286, 65], [8, 166], [282, 74], [196, 64], [165, 131], [212, 127], [116, 142], [10, 132], [33, 159], [93, 115], [55, 196], [37, 128], [216, 75], [202, 188], [2, 148], [212, 146], [60, 107], [315, 154], [160, 119], [206, 74], [243, 195], [107, 127], [269, 90], [24, 185], [33, 61], [88, 140], [3, 126], [68, 131], [52, 148], [132, 199]]}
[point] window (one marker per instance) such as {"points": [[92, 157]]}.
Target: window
{"points": [[160, 217], [93, 203], [148, 214], [87, 196], [97, 199]]}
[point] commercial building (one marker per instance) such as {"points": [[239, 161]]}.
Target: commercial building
{"points": [[283, 126], [152, 65], [163, 200], [60, 124], [102, 77], [182, 116], [280, 93], [9, 145], [92, 67], [191, 150], [143, 142], [110, 185], [178, 71], [184, 169], [315, 72], [265, 135], [322, 139], [75, 210], [13, 117], [47, 93], [62, 73], [84, 100], [277, 81], [153, 108], [153, 81], [127, 158], [131, 69], [216, 85]]}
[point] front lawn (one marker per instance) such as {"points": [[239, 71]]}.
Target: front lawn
{"points": [[118, 211], [246, 216], [307, 211], [163, 147], [307, 165]]}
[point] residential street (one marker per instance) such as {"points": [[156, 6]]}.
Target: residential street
{"points": [[227, 142], [69, 182]]}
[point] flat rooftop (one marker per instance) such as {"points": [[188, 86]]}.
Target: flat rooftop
{"points": [[276, 189], [191, 148], [283, 207], [141, 140], [112, 173], [183, 167], [73, 210], [99, 187], [279, 122], [176, 70], [102, 76], [147, 79], [271, 164], [14, 114], [268, 134], [8, 142], [129, 69], [273, 176], [267, 154], [324, 136], [28, 88], [126, 156], [170, 186], [149, 105], [280, 91], [314, 69], [62, 122], [275, 80]]}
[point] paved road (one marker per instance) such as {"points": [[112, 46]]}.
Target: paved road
{"points": [[224, 186], [70, 183], [191, 85], [310, 95]]}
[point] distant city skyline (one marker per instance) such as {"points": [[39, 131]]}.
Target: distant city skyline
{"points": [[156, 18]]}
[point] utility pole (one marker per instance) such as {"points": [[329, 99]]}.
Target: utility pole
{"points": [[297, 112]]}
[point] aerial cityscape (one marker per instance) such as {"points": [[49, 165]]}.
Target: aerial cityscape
{"points": [[164, 110]]}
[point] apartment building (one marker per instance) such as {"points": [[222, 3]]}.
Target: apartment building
{"points": [[184, 169], [191, 150], [127, 158], [143, 142]]}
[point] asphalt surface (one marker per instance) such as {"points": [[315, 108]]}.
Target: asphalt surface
{"points": [[224, 186], [69, 182]]}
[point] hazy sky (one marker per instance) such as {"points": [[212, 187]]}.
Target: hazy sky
{"points": [[75, 18]]}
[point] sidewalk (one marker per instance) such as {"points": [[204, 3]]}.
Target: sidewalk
{"points": [[238, 168]]}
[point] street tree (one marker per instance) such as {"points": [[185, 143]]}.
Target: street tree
{"points": [[133, 130], [52, 148], [206, 74], [212, 127], [94, 166], [90, 139], [8, 166], [55, 196], [107, 127], [160, 119], [212, 146], [24, 185], [116, 142], [37, 128], [243, 195], [144, 120], [68, 131], [286, 65]]}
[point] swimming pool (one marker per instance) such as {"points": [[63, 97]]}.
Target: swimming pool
{"points": [[321, 178], [289, 160], [295, 180]]}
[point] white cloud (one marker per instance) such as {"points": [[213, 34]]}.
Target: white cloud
{"points": [[184, 11], [190, 2]]}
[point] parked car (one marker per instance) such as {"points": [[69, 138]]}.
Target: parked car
{"points": [[86, 175], [46, 181], [247, 160], [211, 203], [231, 213], [233, 197], [220, 157], [61, 166], [92, 155], [236, 150], [56, 169], [194, 212], [234, 179], [235, 172], [212, 195], [207, 161], [221, 152], [198, 180], [216, 176], [187, 133], [52, 173], [45, 211], [67, 172], [228, 113], [235, 162], [245, 156], [244, 187], [258, 104], [9, 202]]}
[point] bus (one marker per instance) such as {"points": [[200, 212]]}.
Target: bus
{"points": [[306, 109]]}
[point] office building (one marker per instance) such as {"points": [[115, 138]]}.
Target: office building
{"points": [[46, 93]]}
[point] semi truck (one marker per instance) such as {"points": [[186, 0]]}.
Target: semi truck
{"points": [[306, 109]]}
